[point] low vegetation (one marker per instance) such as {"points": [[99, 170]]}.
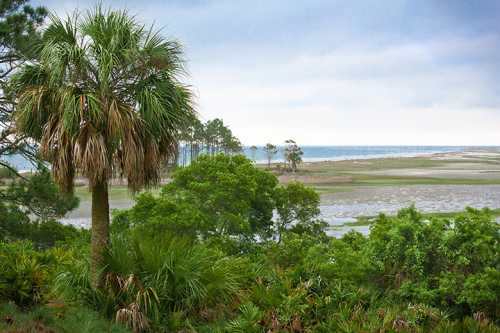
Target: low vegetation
{"points": [[223, 247], [207, 254]]}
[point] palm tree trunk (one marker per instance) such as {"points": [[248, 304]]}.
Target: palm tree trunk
{"points": [[100, 231]]}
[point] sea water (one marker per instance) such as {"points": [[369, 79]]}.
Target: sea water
{"points": [[336, 153], [314, 153]]}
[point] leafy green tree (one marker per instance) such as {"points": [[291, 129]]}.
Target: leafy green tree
{"points": [[104, 97], [35, 196], [224, 196], [212, 134], [270, 150], [18, 29], [298, 207], [29, 207], [293, 154], [39, 195], [233, 197], [19, 23]]}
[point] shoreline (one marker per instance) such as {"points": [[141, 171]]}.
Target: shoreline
{"points": [[480, 150], [436, 182]]}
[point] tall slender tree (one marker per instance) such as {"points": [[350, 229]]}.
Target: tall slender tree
{"points": [[293, 155], [270, 150], [104, 95], [253, 150], [211, 138]]}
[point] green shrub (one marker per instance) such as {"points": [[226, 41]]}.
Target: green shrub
{"points": [[55, 318], [411, 274], [453, 263], [157, 281], [29, 209], [24, 275], [43, 234]]}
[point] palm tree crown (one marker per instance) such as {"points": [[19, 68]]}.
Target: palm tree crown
{"points": [[104, 96]]}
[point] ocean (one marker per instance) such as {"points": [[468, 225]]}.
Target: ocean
{"points": [[318, 153], [337, 153]]}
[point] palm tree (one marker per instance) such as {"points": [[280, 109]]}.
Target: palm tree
{"points": [[104, 96]]}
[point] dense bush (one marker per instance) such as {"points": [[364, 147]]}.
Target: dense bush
{"points": [[27, 273], [161, 281], [29, 209], [42, 234], [176, 265], [224, 197], [38, 195], [24, 273], [439, 261]]}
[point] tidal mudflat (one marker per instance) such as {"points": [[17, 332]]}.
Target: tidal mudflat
{"points": [[342, 208], [349, 189], [435, 183]]}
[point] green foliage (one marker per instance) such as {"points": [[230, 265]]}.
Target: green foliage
{"points": [[297, 207], [225, 198], [439, 261], [212, 137], [152, 281], [403, 277], [248, 321], [169, 268], [40, 196], [18, 24], [27, 273], [55, 317], [481, 291], [43, 234], [217, 195], [233, 196], [28, 210], [270, 150], [293, 155], [103, 97], [223, 247], [24, 273]]}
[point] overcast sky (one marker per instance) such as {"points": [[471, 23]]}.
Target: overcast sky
{"points": [[326, 72]]}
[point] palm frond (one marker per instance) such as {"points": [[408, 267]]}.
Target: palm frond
{"points": [[104, 98]]}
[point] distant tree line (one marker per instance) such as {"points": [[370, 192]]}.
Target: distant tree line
{"points": [[211, 137]]}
